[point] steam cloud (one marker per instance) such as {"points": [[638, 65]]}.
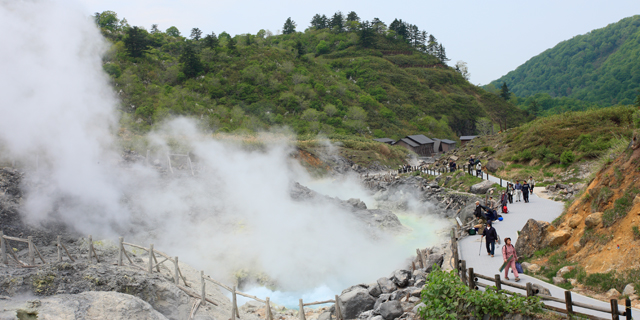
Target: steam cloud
{"points": [[58, 108]]}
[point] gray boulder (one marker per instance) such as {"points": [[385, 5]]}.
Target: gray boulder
{"points": [[417, 307], [391, 310], [629, 290], [466, 214], [398, 294], [494, 165], [401, 277], [386, 285], [481, 188], [356, 301], [374, 290], [356, 203], [434, 258], [531, 237], [540, 289]]}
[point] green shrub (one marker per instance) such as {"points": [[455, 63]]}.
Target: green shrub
{"points": [[446, 297], [620, 208], [526, 155], [636, 232], [488, 149], [542, 152], [567, 157], [552, 158]]}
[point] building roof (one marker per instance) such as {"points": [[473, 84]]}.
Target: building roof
{"points": [[447, 141], [468, 137], [420, 139], [384, 140], [409, 142]]}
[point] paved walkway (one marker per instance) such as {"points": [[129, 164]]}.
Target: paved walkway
{"points": [[476, 257]]}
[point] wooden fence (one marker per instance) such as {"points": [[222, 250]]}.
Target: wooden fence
{"points": [[151, 266], [470, 278]]}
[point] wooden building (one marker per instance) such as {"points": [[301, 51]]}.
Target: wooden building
{"points": [[465, 139], [385, 140], [419, 144]]}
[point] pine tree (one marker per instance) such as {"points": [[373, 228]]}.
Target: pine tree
{"points": [[378, 25], [299, 48], [325, 22], [289, 26], [352, 16], [196, 34], [154, 28], [136, 41], [533, 108], [504, 92], [231, 44], [337, 22], [366, 34], [442, 55], [432, 45], [211, 41], [316, 22], [191, 65]]}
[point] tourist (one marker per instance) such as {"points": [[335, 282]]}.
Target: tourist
{"points": [[479, 169], [518, 188], [492, 236], [452, 166], [472, 162], [504, 199], [525, 191], [508, 251], [531, 184], [510, 191]]}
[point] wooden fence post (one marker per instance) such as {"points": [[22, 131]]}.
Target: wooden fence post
{"points": [[90, 247], [627, 309], [498, 282], [463, 271], [59, 238], [338, 310], [568, 302], [614, 310], [472, 283], [121, 248], [529, 289], [203, 293], [234, 304], [269, 315], [176, 274], [301, 311], [150, 267], [3, 250], [501, 182], [32, 253]]}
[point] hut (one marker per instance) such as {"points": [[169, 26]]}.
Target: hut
{"points": [[419, 144], [385, 140], [465, 139]]}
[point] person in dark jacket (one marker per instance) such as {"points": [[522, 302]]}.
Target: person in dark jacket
{"points": [[452, 166], [492, 236], [525, 191], [472, 163]]}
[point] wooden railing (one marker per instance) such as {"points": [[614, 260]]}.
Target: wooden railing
{"points": [[470, 278], [151, 266]]}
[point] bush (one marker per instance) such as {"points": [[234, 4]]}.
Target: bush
{"points": [[526, 155], [567, 157], [488, 149], [636, 232], [446, 297], [552, 158]]}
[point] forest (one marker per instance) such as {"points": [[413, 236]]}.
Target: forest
{"points": [[598, 69], [340, 75]]}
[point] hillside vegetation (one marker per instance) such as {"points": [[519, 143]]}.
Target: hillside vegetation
{"points": [[600, 68], [360, 78]]}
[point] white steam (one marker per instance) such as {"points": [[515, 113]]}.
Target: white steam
{"points": [[57, 107]]}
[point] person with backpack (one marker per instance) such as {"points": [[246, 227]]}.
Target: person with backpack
{"points": [[452, 166], [492, 236], [525, 191], [504, 199], [518, 188], [508, 250], [510, 192], [478, 169]]}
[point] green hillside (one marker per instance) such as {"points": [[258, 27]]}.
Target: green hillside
{"points": [[600, 68], [360, 77]]}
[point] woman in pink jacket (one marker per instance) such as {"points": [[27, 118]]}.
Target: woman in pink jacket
{"points": [[507, 251]]}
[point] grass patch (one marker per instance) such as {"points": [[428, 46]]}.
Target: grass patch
{"points": [[620, 208], [636, 232], [601, 198], [591, 235], [610, 280]]}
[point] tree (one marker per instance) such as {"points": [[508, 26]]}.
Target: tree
{"points": [[107, 20], [173, 31], [461, 67], [352, 16], [378, 26], [330, 110], [637, 102], [196, 33], [432, 45], [484, 126], [289, 26], [441, 54], [136, 42], [211, 41], [504, 92], [191, 65], [231, 44], [154, 28], [366, 34], [322, 47], [534, 108], [299, 48], [319, 22], [337, 22]]}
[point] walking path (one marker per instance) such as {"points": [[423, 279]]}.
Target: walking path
{"points": [[475, 253]]}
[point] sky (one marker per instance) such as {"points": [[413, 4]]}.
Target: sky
{"points": [[493, 37]]}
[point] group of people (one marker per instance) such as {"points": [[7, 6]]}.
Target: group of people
{"points": [[521, 190]]}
